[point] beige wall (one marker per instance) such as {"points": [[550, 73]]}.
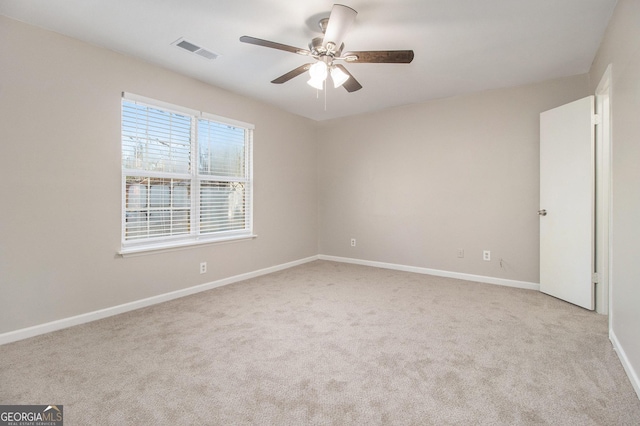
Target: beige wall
{"points": [[60, 196], [621, 48], [416, 183]]}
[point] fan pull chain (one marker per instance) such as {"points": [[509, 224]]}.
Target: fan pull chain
{"points": [[325, 95]]}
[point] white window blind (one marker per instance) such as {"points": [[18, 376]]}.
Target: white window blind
{"points": [[187, 177]]}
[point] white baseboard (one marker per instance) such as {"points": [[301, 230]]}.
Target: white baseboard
{"points": [[628, 368], [436, 272], [37, 330]]}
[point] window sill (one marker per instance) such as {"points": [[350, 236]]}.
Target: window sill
{"points": [[173, 246]]}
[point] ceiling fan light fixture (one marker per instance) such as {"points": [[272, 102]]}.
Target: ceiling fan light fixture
{"points": [[338, 76]]}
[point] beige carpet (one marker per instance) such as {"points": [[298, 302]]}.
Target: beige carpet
{"points": [[332, 343]]}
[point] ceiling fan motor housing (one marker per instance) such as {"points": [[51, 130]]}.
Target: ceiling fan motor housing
{"points": [[318, 49]]}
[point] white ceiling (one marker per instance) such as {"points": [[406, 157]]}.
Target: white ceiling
{"points": [[460, 46]]}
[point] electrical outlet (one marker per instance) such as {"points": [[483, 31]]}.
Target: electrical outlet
{"points": [[460, 252], [203, 267], [353, 242], [486, 255]]}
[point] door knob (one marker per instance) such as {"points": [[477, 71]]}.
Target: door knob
{"points": [[542, 212]]}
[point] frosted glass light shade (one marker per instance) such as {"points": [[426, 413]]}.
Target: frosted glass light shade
{"points": [[317, 83], [338, 76], [318, 71]]}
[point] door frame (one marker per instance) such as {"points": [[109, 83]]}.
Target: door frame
{"points": [[603, 196]]}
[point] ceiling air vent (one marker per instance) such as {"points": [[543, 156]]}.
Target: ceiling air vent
{"points": [[194, 48]]}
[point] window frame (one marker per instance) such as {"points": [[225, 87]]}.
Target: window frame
{"points": [[193, 237]]}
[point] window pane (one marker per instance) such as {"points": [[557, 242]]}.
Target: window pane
{"points": [[155, 140], [222, 206], [156, 207], [221, 149]]}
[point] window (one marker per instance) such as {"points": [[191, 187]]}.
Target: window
{"points": [[186, 176]]}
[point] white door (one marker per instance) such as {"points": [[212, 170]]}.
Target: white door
{"points": [[567, 202]]}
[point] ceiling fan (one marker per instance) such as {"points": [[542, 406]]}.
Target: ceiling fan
{"points": [[328, 49]]}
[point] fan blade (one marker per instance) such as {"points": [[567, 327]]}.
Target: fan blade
{"points": [[338, 26], [380, 56], [291, 74], [274, 45], [351, 84]]}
